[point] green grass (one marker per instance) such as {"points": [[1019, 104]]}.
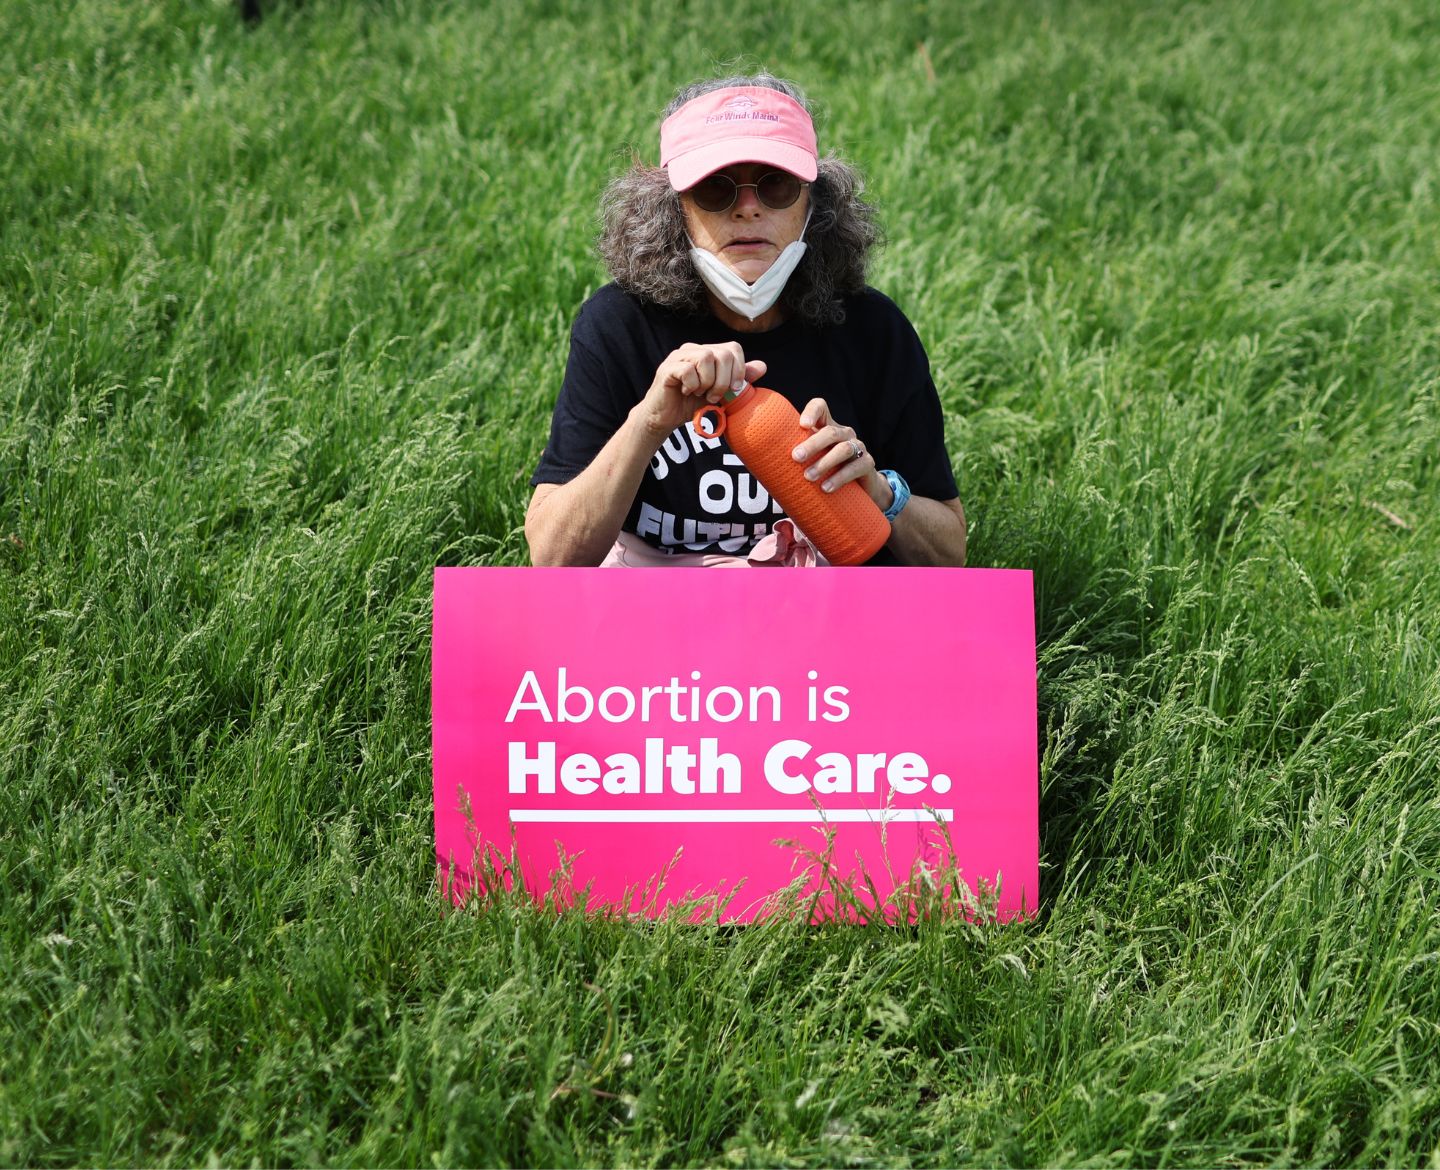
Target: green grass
{"points": [[282, 315]]}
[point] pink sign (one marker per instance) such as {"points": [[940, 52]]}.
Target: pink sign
{"points": [[650, 737]]}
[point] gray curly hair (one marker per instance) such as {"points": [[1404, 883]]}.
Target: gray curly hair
{"points": [[645, 249]]}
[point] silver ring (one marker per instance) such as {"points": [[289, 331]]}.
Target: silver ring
{"points": [[856, 450]]}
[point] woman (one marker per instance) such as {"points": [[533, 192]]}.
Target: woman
{"points": [[741, 259]]}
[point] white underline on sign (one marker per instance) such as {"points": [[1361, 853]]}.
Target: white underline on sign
{"points": [[715, 816]]}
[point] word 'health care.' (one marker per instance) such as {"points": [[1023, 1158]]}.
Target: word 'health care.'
{"points": [[791, 766]]}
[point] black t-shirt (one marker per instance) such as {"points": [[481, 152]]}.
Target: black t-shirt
{"points": [[696, 495]]}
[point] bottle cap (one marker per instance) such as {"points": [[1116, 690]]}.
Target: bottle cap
{"points": [[703, 428]]}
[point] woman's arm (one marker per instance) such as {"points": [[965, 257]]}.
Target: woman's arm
{"points": [[576, 523], [928, 532]]}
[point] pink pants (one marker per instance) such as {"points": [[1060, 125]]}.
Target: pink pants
{"points": [[785, 547]]}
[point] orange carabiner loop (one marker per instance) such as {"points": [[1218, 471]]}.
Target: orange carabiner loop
{"points": [[700, 427]]}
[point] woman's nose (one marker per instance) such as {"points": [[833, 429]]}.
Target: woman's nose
{"points": [[747, 202]]}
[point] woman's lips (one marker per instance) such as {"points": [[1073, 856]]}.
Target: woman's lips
{"points": [[746, 245]]}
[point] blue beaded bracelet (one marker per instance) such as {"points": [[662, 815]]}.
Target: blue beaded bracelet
{"points": [[902, 494]]}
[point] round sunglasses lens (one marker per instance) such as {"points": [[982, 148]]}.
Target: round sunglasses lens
{"points": [[778, 190], [713, 194]]}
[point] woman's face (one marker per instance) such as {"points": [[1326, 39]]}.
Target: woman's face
{"points": [[748, 236]]}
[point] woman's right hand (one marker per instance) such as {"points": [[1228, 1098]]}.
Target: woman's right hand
{"points": [[690, 377]]}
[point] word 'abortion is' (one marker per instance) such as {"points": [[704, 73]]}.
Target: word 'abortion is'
{"points": [[679, 702]]}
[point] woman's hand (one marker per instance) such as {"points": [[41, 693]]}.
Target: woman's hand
{"points": [[690, 377], [927, 532], [576, 523], [834, 455]]}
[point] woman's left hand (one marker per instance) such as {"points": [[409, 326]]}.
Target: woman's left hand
{"points": [[927, 532], [835, 455]]}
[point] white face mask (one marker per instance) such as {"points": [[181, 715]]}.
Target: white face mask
{"points": [[749, 300]]}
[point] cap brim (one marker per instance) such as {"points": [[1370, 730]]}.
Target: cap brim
{"points": [[685, 170]]}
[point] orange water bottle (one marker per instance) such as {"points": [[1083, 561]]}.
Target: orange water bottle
{"points": [[763, 429]]}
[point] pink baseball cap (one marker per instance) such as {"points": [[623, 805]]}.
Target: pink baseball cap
{"points": [[743, 124]]}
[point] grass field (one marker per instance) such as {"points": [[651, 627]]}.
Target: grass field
{"points": [[283, 311]]}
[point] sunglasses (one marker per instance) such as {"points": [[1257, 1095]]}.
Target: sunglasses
{"points": [[777, 190]]}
